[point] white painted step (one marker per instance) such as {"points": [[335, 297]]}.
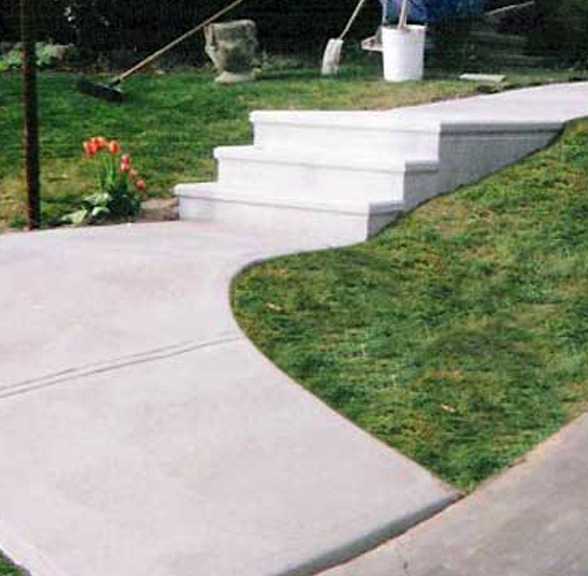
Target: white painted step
{"points": [[333, 219], [318, 176], [372, 134]]}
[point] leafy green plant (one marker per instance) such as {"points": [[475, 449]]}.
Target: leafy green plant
{"points": [[120, 190], [48, 54], [11, 60], [561, 29]]}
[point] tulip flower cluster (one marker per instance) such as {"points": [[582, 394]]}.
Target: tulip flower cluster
{"points": [[95, 145], [120, 190]]}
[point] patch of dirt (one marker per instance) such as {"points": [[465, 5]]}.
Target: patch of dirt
{"points": [[159, 209]]}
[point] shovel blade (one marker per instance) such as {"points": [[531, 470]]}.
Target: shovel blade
{"points": [[332, 57]]}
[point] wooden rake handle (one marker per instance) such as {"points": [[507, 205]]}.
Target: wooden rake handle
{"points": [[177, 41], [354, 16]]}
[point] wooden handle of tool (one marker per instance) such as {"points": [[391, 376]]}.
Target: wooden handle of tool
{"points": [[177, 41], [352, 19], [403, 18]]}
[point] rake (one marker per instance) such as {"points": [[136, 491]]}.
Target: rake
{"points": [[111, 91]]}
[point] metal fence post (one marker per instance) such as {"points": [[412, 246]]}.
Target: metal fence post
{"points": [[31, 127]]}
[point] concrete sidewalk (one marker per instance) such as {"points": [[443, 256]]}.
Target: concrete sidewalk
{"points": [[142, 434], [531, 521]]}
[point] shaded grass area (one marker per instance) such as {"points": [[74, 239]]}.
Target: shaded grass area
{"points": [[7, 569], [459, 335], [170, 123]]}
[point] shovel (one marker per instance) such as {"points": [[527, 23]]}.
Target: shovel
{"points": [[332, 55]]}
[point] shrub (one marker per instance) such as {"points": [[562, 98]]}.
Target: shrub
{"points": [[562, 29], [143, 25], [48, 55]]}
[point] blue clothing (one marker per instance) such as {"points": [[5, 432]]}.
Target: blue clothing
{"points": [[424, 11]]}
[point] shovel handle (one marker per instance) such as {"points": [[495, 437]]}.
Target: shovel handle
{"points": [[403, 18]]}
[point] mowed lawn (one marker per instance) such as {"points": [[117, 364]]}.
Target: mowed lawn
{"points": [[459, 335], [171, 122]]}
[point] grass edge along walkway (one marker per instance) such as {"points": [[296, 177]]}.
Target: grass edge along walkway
{"points": [[7, 568], [459, 335]]}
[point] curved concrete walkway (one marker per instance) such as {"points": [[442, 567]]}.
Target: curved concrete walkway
{"points": [[141, 433], [531, 521]]}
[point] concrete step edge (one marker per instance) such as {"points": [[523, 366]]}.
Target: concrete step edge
{"points": [[385, 121], [405, 121], [214, 192], [339, 161]]}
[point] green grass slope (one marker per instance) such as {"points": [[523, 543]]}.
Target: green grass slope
{"points": [[459, 335]]}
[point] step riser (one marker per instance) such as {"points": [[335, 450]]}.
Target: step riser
{"points": [[331, 228], [418, 188], [313, 181], [366, 143]]}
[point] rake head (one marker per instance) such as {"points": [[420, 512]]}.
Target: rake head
{"points": [[108, 92]]}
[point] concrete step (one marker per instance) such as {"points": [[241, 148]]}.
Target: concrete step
{"points": [[372, 134], [496, 40], [318, 176], [335, 219], [505, 59]]}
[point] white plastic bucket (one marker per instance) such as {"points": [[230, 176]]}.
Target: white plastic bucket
{"points": [[404, 53]]}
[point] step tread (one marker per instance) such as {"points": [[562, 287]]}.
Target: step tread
{"points": [[357, 119], [344, 161], [410, 119]]}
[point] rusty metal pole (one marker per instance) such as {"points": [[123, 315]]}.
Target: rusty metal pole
{"points": [[31, 127]]}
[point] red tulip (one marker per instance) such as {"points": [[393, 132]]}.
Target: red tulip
{"points": [[114, 147], [133, 174], [125, 167], [90, 148], [141, 186]]}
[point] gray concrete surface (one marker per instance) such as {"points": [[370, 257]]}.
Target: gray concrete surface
{"points": [[141, 433], [531, 521]]}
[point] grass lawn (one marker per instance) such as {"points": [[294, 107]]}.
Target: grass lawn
{"points": [[459, 335], [6, 569], [172, 122]]}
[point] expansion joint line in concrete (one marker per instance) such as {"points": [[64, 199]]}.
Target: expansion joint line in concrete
{"points": [[76, 373]]}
